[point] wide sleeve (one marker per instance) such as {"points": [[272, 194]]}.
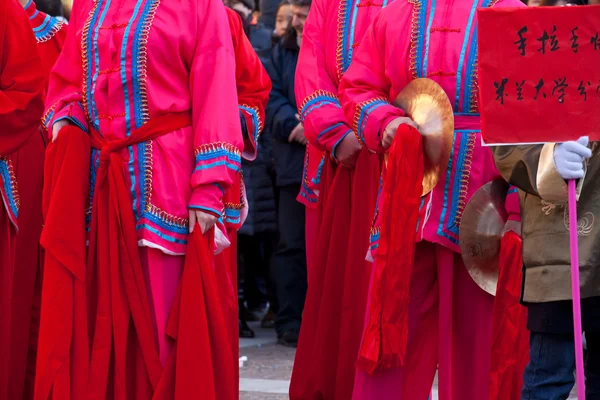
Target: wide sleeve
{"points": [[215, 117], [365, 89], [64, 98], [281, 114], [253, 87], [316, 91], [531, 168], [21, 79]]}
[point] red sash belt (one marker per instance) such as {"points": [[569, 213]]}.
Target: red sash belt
{"points": [[467, 122], [115, 269], [96, 322]]}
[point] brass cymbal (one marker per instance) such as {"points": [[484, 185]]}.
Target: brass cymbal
{"points": [[481, 230], [426, 103], [67, 6]]}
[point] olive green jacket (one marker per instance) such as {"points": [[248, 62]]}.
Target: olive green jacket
{"points": [[545, 220]]}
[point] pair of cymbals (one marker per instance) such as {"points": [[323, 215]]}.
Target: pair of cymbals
{"points": [[484, 217]]}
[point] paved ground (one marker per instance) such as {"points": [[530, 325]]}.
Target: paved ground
{"points": [[266, 374]]}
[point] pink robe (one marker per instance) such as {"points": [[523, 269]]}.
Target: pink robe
{"points": [[335, 29], [116, 73], [449, 316], [337, 294], [127, 63]]}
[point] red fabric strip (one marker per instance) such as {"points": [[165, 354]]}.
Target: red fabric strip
{"points": [[199, 366], [510, 340], [385, 338]]}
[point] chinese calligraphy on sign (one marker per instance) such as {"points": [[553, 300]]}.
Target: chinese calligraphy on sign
{"points": [[547, 87]]}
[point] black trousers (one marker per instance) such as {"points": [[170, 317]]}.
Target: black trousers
{"points": [[289, 260], [255, 255]]}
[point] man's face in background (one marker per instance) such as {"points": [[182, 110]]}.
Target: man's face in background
{"points": [[299, 14]]}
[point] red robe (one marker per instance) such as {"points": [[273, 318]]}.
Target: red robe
{"points": [[50, 34], [253, 87], [339, 274], [21, 106]]}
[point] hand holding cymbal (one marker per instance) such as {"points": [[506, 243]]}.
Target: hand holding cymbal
{"points": [[426, 105], [389, 132]]}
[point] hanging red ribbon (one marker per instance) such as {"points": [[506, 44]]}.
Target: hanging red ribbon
{"points": [[385, 338]]}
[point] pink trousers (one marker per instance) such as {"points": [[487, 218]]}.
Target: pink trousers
{"points": [[311, 227], [450, 320], [162, 273]]}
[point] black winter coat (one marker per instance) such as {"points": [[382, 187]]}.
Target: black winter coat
{"points": [[282, 110], [259, 178]]}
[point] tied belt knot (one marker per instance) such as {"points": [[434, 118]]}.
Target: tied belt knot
{"points": [[156, 128], [108, 155]]}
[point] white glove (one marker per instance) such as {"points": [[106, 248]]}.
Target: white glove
{"points": [[569, 157]]}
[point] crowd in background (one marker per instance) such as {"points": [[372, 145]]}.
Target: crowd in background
{"points": [[272, 252]]}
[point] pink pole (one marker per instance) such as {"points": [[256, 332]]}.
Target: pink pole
{"points": [[575, 288]]}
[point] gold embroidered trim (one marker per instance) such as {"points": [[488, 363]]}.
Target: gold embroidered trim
{"points": [[14, 187], [46, 117], [48, 36], [212, 147], [143, 61], [167, 218], [234, 206], [242, 203], [357, 112], [340, 31], [84, 59], [148, 162], [316, 94], [150, 208], [414, 35], [260, 126], [474, 85]]}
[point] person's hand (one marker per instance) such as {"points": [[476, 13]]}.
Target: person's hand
{"points": [[57, 126], [569, 158], [297, 135], [512, 225], [347, 151], [204, 219], [390, 130]]}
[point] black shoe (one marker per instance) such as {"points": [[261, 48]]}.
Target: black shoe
{"points": [[289, 338], [245, 331]]}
